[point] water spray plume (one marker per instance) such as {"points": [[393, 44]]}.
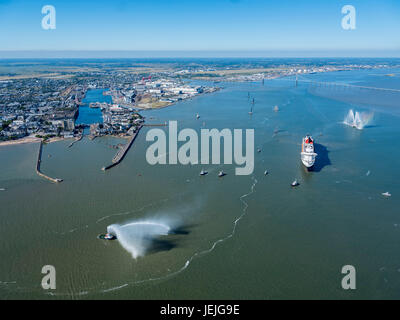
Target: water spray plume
{"points": [[137, 237], [358, 119]]}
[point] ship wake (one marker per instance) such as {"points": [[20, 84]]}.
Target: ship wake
{"points": [[212, 246]]}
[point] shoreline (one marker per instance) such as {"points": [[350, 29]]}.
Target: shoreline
{"points": [[30, 139]]}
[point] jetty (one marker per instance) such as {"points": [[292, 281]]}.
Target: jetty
{"points": [[76, 140], [156, 125], [123, 151], [39, 159]]}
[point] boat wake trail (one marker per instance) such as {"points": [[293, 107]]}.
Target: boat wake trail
{"points": [[203, 252], [136, 237]]}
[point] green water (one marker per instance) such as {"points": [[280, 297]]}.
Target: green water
{"points": [[289, 243]]}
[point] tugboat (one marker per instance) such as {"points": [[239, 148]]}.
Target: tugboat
{"points": [[295, 183], [109, 236], [307, 152], [203, 173], [221, 174]]}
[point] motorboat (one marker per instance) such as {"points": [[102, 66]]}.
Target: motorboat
{"points": [[221, 174], [203, 173], [295, 183]]}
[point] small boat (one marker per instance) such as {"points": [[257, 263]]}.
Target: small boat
{"points": [[276, 108], [386, 194], [251, 108], [258, 150], [221, 174], [2, 189], [295, 183], [203, 173], [109, 236], [197, 116], [266, 172]]}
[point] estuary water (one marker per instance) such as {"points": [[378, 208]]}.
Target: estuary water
{"points": [[236, 237]]}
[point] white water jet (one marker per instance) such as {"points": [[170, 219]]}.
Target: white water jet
{"points": [[358, 119], [137, 237]]}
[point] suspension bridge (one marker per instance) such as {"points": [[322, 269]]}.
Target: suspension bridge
{"points": [[336, 84]]}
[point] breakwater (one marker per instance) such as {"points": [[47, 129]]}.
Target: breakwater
{"points": [[119, 156], [39, 160], [76, 140]]}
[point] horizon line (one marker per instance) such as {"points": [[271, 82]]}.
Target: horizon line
{"points": [[212, 54]]}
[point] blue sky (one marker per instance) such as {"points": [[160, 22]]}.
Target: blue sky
{"points": [[218, 25]]}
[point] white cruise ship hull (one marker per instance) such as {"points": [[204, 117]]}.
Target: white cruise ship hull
{"points": [[308, 159], [307, 152]]}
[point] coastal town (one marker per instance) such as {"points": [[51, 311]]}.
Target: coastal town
{"points": [[45, 106]]}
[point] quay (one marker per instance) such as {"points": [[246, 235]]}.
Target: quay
{"points": [[123, 151], [39, 159]]}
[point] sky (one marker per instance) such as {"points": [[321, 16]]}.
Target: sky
{"points": [[219, 27]]}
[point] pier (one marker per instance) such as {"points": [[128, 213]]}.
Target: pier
{"points": [[156, 125], [76, 140], [39, 159], [122, 152]]}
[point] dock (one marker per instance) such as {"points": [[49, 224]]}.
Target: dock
{"points": [[39, 159], [122, 152]]}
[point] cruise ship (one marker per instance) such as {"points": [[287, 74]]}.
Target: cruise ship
{"points": [[307, 152]]}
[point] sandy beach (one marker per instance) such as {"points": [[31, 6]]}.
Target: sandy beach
{"points": [[28, 139]]}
